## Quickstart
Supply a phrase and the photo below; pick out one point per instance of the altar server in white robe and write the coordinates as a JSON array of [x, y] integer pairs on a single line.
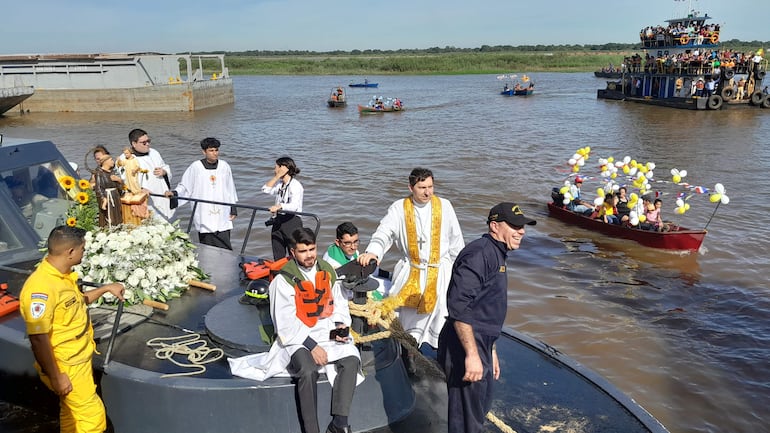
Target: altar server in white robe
[[425, 229], [156, 174], [210, 179], [305, 341]]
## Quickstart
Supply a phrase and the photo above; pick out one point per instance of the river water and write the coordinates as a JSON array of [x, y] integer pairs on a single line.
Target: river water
[[687, 336]]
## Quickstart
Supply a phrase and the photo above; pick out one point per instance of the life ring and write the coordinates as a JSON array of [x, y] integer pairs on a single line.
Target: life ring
[[759, 74], [611, 86], [727, 93], [715, 38], [729, 73], [715, 102], [756, 98], [766, 102], [684, 39]]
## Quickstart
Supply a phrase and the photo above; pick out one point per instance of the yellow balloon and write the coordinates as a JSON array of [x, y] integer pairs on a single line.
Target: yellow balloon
[[715, 198], [680, 210], [610, 160], [564, 189], [687, 206], [626, 169], [613, 175], [575, 168], [633, 163], [588, 149], [642, 218], [677, 178], [600, 192]]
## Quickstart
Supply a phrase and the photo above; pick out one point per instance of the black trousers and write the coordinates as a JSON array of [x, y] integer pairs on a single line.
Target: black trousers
[[283, 227], [216, 239], [469, 402], [305, 373]]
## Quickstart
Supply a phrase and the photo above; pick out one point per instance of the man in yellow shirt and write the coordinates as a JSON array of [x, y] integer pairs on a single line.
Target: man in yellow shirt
[[60, 331]]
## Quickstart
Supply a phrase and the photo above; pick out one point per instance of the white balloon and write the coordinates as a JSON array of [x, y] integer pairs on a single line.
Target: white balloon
[[674, 172], [581, 162], [634, 220], [725, 199], [572, 161], [598, 201], [683, 173], [679, 202], [719, 188], [566, 200], [648, 175], [626, 160], [632, 171], [566, 182]]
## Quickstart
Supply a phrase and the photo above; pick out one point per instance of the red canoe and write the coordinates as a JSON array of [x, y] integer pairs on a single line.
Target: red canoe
[[678, 238]]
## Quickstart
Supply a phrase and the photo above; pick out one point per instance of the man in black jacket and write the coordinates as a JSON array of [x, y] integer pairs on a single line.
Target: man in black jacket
[[477, 303]]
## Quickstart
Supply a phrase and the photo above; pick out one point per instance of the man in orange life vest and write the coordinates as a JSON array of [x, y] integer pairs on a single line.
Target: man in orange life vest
[[312, 320]]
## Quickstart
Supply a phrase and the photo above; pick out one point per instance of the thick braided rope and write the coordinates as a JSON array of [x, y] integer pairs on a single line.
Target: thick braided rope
[[196, 349]]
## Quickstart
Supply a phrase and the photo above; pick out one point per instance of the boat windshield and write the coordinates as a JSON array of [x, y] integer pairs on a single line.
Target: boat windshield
[[32, 192]]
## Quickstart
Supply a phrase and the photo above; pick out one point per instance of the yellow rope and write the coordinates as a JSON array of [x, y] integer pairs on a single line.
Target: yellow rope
[[196, 349]]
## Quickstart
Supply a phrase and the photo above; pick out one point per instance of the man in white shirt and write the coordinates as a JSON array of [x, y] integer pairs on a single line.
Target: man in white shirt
[[210, 179], [155, 175], [426, 231]]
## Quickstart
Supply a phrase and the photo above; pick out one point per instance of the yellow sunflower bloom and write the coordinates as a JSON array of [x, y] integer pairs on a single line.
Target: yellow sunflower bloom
[[84, 184], [67, 182], [71, 221], [82, 197]]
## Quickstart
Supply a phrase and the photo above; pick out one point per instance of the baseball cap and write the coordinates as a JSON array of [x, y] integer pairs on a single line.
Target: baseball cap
[[578, 179], [510, 213]]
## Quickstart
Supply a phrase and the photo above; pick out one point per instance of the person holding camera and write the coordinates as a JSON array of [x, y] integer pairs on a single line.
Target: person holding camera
[[314, 335], [288, 193]]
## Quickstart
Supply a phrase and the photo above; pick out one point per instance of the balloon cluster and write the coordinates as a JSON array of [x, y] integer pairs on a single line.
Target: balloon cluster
[[719, 196], [677, 175], [579, 158]]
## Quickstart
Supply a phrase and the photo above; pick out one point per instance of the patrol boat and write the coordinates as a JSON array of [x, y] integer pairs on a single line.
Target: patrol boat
[[542, 390], [681, 61]]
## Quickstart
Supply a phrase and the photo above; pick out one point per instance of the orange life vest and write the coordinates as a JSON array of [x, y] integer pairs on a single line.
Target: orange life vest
[[313, 301]]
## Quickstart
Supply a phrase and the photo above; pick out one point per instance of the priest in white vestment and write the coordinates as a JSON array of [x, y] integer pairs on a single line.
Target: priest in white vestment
[[425, 229], [210, 179], [155, 175]]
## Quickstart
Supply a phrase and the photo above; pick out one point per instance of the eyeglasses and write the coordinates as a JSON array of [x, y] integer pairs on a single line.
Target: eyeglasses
[[350, 243], [144, 141]]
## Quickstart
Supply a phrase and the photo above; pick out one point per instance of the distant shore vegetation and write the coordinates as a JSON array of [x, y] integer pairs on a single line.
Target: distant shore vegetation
[[448, 60]]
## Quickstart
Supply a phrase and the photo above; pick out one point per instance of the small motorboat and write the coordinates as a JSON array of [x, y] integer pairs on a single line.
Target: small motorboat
[[364, 84], [337, 98]]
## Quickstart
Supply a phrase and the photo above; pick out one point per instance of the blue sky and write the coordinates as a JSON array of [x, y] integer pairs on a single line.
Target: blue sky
[[88, 26]]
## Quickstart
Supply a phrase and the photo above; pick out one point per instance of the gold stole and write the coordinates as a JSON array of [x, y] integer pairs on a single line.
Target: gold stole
[[410, 295]]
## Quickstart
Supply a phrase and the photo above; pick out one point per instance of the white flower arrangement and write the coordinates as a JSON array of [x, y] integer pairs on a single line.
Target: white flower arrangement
[[154, 260]]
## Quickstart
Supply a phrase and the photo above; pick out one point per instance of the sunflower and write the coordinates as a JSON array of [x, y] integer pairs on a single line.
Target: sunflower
[[71, 221], [84, 184], [82, 197], [67, 182]]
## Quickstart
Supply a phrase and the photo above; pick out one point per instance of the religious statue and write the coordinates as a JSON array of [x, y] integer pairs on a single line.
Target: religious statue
[[108, 188], [134, 200]]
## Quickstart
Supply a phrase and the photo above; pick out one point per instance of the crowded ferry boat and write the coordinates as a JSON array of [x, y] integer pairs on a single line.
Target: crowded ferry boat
[[682, 66]]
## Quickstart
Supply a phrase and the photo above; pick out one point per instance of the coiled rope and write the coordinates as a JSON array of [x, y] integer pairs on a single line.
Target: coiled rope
[[196, 349], [383, 314]]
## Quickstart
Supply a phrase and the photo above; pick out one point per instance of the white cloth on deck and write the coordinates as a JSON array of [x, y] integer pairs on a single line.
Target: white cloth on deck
[[392, 229], [152, 183], [209, 184], [292, 333]]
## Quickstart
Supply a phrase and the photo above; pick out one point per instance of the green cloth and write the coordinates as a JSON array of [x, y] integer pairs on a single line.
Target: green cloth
[[336, 253]]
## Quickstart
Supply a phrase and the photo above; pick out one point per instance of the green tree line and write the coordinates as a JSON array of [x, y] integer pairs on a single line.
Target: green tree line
[[448, 60]]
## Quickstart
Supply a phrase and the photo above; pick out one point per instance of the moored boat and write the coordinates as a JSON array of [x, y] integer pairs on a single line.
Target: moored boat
[[13, 96], [608, 74], [118, 81], [683, 68]]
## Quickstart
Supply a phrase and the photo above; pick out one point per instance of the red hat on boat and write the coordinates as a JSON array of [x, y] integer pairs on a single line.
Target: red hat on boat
[[578, 179]]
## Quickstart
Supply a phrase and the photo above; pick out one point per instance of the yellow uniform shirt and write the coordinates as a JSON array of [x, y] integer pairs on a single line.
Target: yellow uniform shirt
[[52, 304]]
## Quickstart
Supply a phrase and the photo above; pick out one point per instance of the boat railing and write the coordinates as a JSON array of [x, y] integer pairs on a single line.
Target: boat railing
[[253, 211]]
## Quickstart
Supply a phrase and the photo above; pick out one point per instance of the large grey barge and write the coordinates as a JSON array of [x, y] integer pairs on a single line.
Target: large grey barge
[[118, 82]]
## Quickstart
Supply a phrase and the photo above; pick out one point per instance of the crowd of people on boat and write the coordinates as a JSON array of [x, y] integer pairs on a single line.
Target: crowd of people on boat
[[448, 292], [678, 33], [695, 62], [615, 208]]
